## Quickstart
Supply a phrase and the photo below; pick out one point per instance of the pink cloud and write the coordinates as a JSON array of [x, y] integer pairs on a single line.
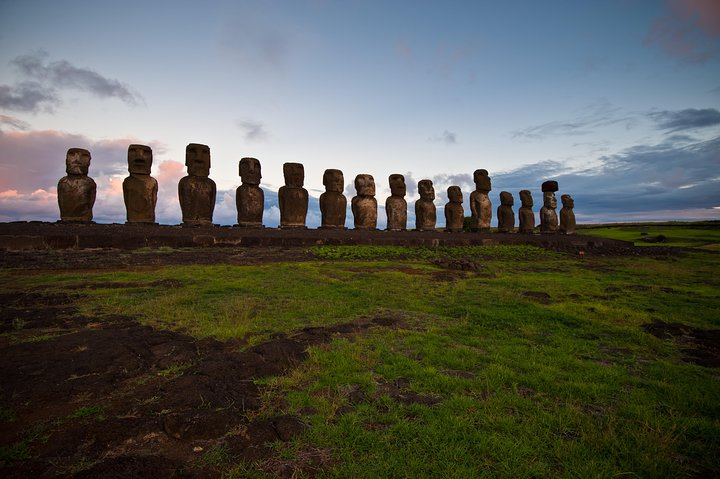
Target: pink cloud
[[688, 31]]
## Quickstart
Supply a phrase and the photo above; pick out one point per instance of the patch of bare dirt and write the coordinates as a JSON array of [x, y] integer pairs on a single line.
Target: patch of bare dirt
[[699, 346], [109, 397]]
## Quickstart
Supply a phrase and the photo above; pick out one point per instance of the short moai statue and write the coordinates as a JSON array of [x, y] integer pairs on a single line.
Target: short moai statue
[[293, 198], [76, 191], [364, 205], [196, 190], [527, 217], [140, 189], [567, 215], [425, 211], [454, 211], [249, 197], [480, 205], [548, 216], [395, 205], [505, 213], [333, 204]]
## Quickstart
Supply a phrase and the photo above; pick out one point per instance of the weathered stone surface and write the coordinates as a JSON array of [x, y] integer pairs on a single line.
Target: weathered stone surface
[[196, 191], [480, 205], [567, 215], [140, 189], [454, 211], [249, 197], [550, 185], [293, 198], [395, 205], [505, 213], [527, 217], [333, 204], [548, 216], [76, 191], [425, 211], [364, 205]]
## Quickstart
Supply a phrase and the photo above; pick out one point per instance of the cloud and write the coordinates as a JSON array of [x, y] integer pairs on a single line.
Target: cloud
[[688, 30], [29, 96], [685, 119], [254, 130], [14, 123], [447, 137]]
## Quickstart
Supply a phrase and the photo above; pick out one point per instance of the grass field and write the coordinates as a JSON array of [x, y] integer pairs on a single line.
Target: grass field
[[534, 365], [705, 235]]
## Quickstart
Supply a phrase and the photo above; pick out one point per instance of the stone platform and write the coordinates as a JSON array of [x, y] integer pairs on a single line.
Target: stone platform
[[17, 236]]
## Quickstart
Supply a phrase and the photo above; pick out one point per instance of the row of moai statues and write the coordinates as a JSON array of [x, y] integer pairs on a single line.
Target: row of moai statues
[[197, 194]]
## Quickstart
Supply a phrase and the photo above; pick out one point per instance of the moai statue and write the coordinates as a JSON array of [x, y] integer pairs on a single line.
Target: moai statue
[[364, 205], [454, 212], [76, 191], [395, 205], [567, 215], [333, 204], [425, 214], [140, 189], [249, 197], [505, 213], [527, 217], [548, 216], [293, 198], [197, 191], [480, 204]]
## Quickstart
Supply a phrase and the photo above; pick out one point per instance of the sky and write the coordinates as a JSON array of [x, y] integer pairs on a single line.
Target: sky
[[617, 100]]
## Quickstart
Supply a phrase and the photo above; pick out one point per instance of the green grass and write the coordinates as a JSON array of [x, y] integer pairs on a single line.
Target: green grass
[[692, 235], [567, 387]]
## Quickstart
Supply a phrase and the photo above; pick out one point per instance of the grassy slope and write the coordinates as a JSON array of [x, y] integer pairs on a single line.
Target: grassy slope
[[695, 235], [573, 388]]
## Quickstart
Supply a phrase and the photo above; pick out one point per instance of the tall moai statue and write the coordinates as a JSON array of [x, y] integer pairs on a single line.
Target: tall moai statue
[[425, 211], [196, 190], [527, 217], [333, 204], [364, 205], [505, 213], [395, 205], [548, 216], [293, 198], [249, 197], [76, 191], [140, 189], [567, 215], [454, 211], [480, 205]]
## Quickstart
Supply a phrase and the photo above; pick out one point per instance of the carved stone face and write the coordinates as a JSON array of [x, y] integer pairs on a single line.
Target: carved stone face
[[506, 198], [567, 201], [526, 198], [365, 185], [294, 174], [333, 180], [250, 171], [549, 200], [482, 180], [397, 185], [77, 161], [139, 159], [455, 194], [197, 159], [426, 190]]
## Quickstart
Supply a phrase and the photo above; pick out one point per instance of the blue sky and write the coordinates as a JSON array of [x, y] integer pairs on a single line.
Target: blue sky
[[617, 100]]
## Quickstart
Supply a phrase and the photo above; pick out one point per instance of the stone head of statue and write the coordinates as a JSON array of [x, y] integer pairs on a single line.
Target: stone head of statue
[[197, 159], [526, 198], [397, 185], [506, 198], [482, 180], [567, 201], [77, 161], [334, 180], [294, 174], [426, 190], [250, 171], [365, 185], [454, 194], [549, 200], [139, 159]]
